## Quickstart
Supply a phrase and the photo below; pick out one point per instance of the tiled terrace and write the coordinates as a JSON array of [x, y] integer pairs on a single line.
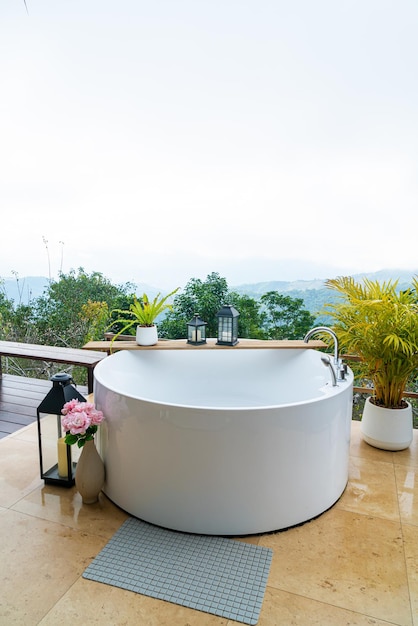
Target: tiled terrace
[[356, 564]]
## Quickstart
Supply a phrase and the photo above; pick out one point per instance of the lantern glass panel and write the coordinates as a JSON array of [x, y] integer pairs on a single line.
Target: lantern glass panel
[[235, 329], [192, 332], [196, 331], [53, 450], [202, 331], [225, 329], [50, 434]]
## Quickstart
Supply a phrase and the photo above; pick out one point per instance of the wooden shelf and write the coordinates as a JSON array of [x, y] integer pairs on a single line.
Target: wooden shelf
[[181, 344]]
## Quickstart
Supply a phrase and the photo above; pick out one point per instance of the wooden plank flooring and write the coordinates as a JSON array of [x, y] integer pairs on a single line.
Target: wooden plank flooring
[[19, 399]]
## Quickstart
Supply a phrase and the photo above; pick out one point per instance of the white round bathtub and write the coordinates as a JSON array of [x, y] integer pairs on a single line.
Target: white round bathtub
[[223, 441]]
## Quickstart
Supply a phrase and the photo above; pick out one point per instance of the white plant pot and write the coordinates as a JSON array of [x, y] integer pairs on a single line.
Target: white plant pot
[[387, 429], [146, 335]]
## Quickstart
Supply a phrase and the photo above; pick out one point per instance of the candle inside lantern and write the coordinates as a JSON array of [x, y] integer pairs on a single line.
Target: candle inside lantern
[[62, 458]]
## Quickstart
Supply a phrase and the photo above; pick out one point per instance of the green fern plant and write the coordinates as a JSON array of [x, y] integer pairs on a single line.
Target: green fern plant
[[142, 312], [378, 323]]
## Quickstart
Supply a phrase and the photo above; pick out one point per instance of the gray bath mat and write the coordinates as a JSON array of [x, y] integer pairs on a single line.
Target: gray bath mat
[[212, 574]]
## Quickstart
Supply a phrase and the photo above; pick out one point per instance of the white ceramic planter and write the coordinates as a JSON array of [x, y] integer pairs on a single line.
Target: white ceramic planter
[[387, 429], [146, 335]]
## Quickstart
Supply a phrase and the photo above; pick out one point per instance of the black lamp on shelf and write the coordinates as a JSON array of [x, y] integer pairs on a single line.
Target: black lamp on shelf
[[227, 326], [196, 331]]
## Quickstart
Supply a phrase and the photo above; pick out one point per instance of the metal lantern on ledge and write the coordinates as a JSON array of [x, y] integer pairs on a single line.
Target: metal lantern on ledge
[[227, 326], [57, 467], [196, 331]]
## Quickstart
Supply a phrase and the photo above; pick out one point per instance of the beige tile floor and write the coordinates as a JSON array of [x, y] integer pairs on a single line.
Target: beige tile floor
[[356, 564]]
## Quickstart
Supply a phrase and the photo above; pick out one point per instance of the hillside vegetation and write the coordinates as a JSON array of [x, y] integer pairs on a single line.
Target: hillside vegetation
[[314, 293]]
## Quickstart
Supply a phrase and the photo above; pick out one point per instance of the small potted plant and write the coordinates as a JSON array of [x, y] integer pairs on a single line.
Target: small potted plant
[[142, 313], [379, 323]]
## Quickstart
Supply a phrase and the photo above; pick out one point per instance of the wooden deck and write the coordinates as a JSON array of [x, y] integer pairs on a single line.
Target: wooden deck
[[19, 399]]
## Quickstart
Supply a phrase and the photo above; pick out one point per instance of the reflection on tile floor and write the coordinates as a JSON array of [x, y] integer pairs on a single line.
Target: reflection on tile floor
[[356, 564]]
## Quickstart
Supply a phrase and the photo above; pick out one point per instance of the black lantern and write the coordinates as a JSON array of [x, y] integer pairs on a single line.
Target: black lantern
[[196, 331], [57, 467], [227, 326]]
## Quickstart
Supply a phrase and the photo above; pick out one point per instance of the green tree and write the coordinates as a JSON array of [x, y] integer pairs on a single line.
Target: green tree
[[250, 318], [206, 298], [23, 325], [62, 315], [284, 317], [6, 316], [71, 311], [202, 297]]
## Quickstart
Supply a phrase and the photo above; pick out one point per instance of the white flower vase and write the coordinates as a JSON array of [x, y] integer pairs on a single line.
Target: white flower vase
[[89, 473], [146, 335]]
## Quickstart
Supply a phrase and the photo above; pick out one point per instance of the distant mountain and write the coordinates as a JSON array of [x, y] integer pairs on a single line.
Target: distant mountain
[[314, 293], [282, 286], [23, 290], [254, 289]]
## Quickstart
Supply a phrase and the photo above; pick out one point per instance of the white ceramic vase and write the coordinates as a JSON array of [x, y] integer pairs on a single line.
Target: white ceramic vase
[[387, 429], [89, 473], [146, 335]]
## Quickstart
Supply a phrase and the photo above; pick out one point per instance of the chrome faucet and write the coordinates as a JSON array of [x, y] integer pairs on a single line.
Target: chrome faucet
[[327, 361], [338, 369]]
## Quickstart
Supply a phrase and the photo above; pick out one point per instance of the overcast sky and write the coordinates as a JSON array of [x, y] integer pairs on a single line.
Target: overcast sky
[[155, 141]]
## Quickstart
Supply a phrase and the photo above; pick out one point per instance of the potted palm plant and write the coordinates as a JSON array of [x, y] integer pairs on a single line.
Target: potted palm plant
[[379, 323], [143, 313]]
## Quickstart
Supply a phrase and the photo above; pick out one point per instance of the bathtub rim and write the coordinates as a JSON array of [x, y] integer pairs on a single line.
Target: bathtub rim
[[324, 391]]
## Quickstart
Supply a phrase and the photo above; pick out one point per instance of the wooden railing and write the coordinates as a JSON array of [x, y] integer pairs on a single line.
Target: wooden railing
[[53, 354]]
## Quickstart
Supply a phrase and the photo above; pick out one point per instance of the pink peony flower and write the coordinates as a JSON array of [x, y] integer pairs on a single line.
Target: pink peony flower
[[70, 406], [96, 417], [80, 421], [77, 422]]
